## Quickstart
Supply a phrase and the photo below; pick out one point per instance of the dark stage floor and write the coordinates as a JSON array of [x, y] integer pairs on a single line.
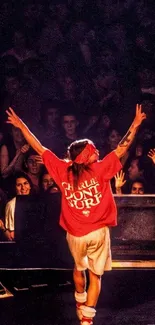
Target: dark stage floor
[[127, 298]]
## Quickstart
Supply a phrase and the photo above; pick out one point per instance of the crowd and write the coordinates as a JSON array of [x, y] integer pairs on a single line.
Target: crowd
[[74, 69]]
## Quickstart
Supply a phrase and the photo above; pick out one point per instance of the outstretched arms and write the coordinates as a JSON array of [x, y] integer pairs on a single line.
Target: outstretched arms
[[125, 143], [30, 138]]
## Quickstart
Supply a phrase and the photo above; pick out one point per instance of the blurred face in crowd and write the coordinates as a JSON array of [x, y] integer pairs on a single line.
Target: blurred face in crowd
[[104, 84], [78, 5], [69, 88], [33, 11], [6, 9], [105, 122], [141, 42], [19, 39], [92, 120], [11, 85], [52, 117], [113, 139], [10, 63], [141, 9], [61, 11], [107, 57], [17, 135], [117, 34], [137, 188], [139, 150], [133, 170], [148, 108], [61, 65], [70, 124], [32, 68], [79, 31], [33, 166], [23, 187], [47, 181]]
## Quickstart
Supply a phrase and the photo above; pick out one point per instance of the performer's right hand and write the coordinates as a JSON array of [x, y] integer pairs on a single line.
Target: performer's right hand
[[13, 118]]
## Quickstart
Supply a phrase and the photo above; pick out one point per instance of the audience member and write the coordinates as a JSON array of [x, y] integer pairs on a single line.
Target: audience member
[[47, 183], [20, 49], [33, 168], [70, 126], [12, 154], [51, 111], [23, 186], [137, 186], [82, 43]]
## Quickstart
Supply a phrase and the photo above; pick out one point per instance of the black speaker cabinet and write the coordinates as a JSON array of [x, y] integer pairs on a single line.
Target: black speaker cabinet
[[135, 232]]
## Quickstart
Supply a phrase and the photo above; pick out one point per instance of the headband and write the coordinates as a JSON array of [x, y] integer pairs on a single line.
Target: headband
[[84, 156]]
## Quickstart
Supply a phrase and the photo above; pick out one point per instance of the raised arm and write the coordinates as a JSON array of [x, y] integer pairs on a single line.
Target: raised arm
[[125, 143], [28, 135]]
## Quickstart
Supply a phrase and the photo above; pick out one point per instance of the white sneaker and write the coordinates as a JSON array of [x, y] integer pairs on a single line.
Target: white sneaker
[[78, 310]]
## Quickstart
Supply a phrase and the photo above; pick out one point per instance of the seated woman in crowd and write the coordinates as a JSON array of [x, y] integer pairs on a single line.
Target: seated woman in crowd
[[23, 186]]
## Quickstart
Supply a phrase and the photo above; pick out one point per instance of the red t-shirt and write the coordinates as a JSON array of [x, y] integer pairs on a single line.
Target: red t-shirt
[[92, 205]]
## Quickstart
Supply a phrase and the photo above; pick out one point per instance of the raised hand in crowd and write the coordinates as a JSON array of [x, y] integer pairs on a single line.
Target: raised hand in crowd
[[151, 154], [39, 159], [119, 181], [25, 148], [7, 165]]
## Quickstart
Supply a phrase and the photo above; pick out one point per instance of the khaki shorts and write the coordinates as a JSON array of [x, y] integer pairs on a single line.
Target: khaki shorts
[[91, 251]]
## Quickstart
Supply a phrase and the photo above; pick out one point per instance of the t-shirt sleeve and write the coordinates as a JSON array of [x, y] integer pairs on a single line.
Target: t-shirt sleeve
[[109, 166], [9, 215], [53, 164]]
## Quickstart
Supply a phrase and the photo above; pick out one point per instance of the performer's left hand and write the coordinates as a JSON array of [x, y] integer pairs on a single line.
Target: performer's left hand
[[139, 116]]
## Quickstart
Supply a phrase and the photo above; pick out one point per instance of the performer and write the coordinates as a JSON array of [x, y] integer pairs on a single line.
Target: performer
[[88, 208]]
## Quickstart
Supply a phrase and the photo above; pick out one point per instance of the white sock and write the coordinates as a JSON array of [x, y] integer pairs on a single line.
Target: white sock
[[88, 311], [80, 297]]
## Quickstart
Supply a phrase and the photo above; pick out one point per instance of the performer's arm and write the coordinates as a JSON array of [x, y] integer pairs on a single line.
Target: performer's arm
[[28, 135], [125, 143]]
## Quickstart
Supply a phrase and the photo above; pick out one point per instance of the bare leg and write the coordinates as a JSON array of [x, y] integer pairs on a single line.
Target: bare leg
[[79, 278], [94, 289]]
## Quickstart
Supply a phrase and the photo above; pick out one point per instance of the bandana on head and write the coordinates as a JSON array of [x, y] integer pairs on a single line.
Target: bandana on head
[[84, 156]]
